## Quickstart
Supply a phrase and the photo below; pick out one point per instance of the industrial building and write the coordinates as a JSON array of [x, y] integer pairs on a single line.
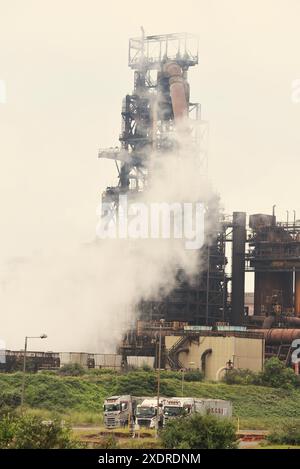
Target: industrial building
[[214, 304], [215, 353]]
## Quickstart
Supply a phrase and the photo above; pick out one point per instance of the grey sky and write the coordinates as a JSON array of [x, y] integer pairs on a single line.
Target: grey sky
[[65, 67]]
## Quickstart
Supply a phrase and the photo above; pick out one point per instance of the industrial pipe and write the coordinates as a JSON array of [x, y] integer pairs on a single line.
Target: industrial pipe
[[223, 368], [268, 321], [178, 91], [279, 336]]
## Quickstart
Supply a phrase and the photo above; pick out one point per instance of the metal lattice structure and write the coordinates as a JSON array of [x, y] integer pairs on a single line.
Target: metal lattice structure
[[148, 125], [147, 113], [274, 257]]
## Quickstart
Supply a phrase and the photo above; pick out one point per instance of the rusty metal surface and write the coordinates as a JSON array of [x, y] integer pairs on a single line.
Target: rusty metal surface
[[297, 293], [279, 336], [177, 90], [266, 283]]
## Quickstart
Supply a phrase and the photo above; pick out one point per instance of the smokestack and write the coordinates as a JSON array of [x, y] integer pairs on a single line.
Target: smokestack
[[238, 267], [178, 90]]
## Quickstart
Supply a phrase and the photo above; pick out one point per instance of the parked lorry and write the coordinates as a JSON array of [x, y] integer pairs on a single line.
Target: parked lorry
[[147, 415], [177, 407], [119, 411], [180, 406]]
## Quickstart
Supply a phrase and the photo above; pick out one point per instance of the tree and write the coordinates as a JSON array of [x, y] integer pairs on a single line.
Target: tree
[[31, 432], [199, 432], [277, 375]]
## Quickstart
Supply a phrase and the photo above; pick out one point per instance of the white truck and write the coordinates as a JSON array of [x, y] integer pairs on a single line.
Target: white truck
[[181, 406], [146, 413], [119, 411], [177, 407]]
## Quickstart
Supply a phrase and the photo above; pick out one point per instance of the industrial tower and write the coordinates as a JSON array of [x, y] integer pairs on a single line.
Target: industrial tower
[[157, 108]]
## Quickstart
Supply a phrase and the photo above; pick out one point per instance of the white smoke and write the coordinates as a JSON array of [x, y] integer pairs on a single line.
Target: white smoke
[[84, 298]]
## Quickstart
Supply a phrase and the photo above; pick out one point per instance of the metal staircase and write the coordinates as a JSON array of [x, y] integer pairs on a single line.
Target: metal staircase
[[173, 352]]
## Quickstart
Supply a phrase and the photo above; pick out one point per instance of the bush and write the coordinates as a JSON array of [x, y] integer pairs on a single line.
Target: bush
[[7, 429], [10, 399], [31, 432], [72, 369], [287, 434], [199, 432], [108, 442], [102, 371], [241, 377], [277, 375], [194, 375]]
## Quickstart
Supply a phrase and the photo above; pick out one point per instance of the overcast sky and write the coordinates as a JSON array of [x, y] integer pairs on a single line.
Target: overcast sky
[[64, 63], [65, 67]]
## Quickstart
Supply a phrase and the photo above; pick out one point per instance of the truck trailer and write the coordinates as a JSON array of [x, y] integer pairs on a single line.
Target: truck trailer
[[182, 406]]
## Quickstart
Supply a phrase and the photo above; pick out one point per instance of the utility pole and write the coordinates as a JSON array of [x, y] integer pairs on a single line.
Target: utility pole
[[42, 336], [158, 379]]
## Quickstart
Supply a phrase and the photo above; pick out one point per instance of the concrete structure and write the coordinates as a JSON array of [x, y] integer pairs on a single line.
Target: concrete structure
[[214, 354], [140, 362]]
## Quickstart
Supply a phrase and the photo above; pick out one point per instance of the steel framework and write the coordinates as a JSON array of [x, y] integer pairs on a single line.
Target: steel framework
[[148, 125]]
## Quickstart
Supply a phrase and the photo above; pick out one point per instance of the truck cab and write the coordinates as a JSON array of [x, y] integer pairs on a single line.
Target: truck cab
[[177, 407], [147, 415], [118, 411]]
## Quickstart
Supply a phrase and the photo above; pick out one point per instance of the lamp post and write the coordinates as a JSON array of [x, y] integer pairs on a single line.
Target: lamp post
[[42, 336], [158, 378]]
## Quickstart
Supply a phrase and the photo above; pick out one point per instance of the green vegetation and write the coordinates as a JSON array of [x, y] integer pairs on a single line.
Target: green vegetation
[[193, 375], [31, 432], [72, 369], [79, 399], [275, 374], [288, 433], [199, 432]]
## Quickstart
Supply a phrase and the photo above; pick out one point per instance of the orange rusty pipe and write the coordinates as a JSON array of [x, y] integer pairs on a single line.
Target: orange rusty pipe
[[279, 336], [268, 321], [178, 90]]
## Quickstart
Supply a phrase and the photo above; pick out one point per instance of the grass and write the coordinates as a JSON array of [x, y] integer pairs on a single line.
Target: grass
[[79, 400], [124, 440]]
